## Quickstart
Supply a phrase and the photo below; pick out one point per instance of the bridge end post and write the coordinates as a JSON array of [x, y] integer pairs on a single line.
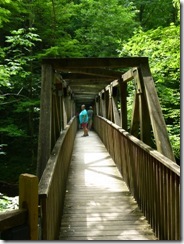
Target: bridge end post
[[28, 198]]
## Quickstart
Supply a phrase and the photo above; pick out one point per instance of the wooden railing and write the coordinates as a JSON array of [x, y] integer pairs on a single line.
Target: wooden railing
[[47, 197], [153, 179], [52, 184], [22, 223]]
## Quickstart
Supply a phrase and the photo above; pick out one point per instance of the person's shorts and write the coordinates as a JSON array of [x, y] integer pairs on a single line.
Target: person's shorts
[[84, 125]]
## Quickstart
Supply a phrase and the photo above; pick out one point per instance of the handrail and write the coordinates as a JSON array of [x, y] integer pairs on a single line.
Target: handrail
[[27, 214], [10, 219], [153, 179], [53, 182]]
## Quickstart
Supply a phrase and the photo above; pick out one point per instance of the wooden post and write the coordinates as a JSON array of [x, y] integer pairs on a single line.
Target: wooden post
[[123, 96], [28, 199], [116, 114], [97, 105], [144, 118], [110, 113], [44, 140], [135, 121], [106, 102], [101, 105]]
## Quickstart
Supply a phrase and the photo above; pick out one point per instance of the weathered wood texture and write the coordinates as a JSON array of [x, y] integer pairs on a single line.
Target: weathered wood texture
[[28, 199], [88, 78], [27, 214], [44, 140], [10, 219], [74, 63], [153, 179], [98, 204], [155, 112], [53, 182]]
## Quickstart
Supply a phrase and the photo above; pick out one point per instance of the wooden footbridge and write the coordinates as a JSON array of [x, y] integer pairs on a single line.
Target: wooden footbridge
[[119, 183]]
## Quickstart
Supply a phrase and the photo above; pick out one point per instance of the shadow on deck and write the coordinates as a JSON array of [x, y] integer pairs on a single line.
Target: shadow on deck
[[98, 204]]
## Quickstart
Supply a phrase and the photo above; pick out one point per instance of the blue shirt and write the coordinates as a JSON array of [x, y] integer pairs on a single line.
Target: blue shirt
[[83, 116]]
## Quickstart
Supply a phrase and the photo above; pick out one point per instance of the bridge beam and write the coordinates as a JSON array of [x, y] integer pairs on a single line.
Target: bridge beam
[[44, 140], [156, 116]]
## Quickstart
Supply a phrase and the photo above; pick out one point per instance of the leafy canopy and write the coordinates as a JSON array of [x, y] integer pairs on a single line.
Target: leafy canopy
[[162, 46]]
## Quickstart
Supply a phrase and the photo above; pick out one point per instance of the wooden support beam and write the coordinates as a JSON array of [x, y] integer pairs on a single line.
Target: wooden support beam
[[157, 120], [28, 199], [128, 75], [100, 72], [65, 112], [59, 63], [97, 105], [116, 113], [144, 118], [85, 77], [110, 108], [135, 121], [44, 140], [106, 98], [123, 99]]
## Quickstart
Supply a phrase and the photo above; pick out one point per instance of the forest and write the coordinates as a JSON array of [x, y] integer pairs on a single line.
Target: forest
[[33, 29]]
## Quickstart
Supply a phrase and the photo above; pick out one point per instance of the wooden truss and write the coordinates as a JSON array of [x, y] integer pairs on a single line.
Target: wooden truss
[[67, 83]]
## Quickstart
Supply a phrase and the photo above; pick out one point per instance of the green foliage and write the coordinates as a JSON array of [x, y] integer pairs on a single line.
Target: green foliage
[[100, 26], [12, 130], [19, 51], [17, 56], [153, 14], [85, 28], [8, 10], [7, 203], [4, 13], [79, 28], [19, 104], [162, 46], [65, 48], [24, 105]]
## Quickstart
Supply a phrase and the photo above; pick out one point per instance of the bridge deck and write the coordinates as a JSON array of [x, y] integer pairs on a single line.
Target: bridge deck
[[98, 204]]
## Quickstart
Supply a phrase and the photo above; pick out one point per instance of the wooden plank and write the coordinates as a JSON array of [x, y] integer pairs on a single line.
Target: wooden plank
[[128, 76], [101, 232], [135, 121], [117, 223], [59, 63], [95, 71], [145, 124], [13, 218], [110, 238], [115, 112], [84, 77], [98, 204], [123, 99]]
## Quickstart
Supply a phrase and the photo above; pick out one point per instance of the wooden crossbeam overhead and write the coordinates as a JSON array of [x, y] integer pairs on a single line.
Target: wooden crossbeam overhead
[[74, 76], [59, 63], [94, 72], [85, 85], [91, 82]]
